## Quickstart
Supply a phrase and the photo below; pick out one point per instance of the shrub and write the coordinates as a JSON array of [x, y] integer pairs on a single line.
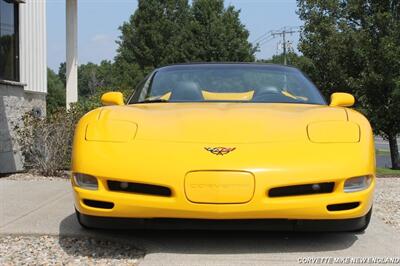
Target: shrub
[[46, 142]]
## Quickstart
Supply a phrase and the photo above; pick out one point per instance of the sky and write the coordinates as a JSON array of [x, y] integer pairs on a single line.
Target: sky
[[98, 22]]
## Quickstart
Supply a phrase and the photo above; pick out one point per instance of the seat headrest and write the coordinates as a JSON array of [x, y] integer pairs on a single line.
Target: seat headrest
[[186, 91]]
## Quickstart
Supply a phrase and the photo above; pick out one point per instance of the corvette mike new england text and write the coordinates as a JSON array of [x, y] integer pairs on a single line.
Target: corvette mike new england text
[[349, 260]]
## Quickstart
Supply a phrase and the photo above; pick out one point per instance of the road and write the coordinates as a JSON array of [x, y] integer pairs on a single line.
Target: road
[[46, 208], [383, 160], [381, 144]]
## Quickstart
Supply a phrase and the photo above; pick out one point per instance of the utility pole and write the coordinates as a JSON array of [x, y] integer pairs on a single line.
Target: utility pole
[[284, 47], [283, 34], [272, 34]]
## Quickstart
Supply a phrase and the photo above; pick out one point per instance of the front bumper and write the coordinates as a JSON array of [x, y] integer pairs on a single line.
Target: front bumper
[[129, 205], [272, 165]]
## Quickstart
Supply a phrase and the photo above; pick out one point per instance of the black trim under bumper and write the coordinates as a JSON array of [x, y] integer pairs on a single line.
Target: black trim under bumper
[[341, 225]]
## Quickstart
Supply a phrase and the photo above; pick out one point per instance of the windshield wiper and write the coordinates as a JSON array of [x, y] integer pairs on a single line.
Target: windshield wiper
[[154, 101]]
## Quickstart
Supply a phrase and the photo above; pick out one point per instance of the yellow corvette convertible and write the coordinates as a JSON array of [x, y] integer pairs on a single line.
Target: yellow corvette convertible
[[251, 146]]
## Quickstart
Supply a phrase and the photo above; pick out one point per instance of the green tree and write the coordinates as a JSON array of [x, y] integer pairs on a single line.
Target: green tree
[[355, 46], [128, 75], [156, 34], [105, 74], [62, 70], [218, 33], [293, 59], [93, 77], [55, 92], [162, 32], [87, 79]]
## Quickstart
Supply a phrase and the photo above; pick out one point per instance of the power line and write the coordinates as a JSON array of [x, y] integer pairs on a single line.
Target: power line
[[282, 32], [266, 40], [265, 35], [260, 38]]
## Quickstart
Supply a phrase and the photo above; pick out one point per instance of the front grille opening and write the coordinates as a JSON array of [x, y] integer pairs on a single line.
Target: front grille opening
[[139, 188], [98, 204], [297, 190], [343, 206]]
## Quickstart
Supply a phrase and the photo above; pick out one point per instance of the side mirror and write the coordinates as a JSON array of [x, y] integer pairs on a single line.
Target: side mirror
[[342, 99], [112, 98]]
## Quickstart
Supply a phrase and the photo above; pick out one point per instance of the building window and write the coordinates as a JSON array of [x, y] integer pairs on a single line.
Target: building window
[[9, 63]]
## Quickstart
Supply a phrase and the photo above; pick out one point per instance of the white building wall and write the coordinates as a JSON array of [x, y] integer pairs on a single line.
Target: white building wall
[[33, 42]]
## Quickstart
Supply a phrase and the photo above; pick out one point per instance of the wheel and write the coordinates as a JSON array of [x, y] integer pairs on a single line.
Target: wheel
[[78, 217], [367, 220]]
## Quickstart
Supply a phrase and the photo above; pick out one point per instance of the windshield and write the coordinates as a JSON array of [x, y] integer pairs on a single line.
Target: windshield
[[227, 83]]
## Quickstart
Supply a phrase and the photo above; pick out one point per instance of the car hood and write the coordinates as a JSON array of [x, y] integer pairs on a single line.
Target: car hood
[[222, 122]]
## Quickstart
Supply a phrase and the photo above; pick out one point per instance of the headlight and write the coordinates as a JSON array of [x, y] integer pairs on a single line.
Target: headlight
[[85, 181], [357, 183]]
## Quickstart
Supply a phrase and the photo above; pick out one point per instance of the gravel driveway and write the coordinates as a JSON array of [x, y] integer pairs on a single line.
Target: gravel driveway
[[387, 201], [70, 250], [52, 250]]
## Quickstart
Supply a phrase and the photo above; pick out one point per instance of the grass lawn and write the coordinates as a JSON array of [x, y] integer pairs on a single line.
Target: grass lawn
[[387, 171], [382, 152]]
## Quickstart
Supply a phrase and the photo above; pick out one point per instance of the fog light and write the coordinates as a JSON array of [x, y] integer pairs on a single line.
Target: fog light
[[316, 187], [86, 181], [124, 185], [357, 183]]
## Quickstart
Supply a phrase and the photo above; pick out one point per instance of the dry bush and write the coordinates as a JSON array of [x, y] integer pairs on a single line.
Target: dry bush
[[45, 142]]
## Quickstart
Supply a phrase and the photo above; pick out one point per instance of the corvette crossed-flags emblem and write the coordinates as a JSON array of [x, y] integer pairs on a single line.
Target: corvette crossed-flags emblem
[[219, 150]]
